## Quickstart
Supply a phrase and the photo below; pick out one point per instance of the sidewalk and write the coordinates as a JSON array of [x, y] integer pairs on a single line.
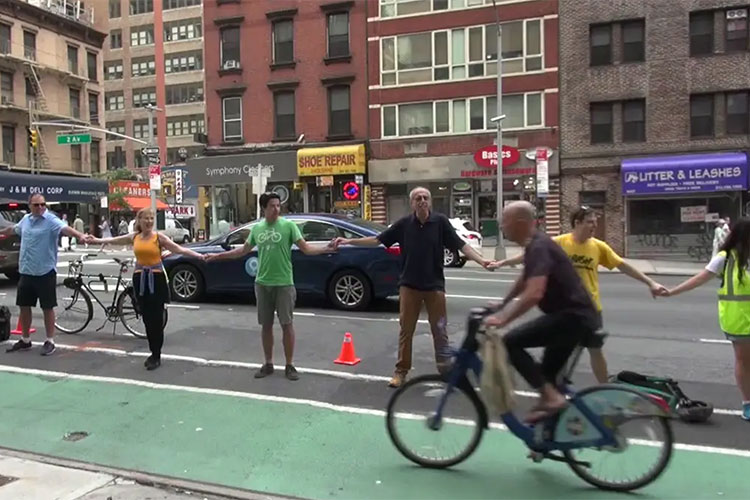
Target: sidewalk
[[655, 267]]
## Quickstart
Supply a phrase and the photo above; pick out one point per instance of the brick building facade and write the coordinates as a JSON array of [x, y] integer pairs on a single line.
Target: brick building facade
[[654, 80], [287, 80]]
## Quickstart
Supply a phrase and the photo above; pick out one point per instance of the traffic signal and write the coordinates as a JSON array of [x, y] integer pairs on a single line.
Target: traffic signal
[[33, 138]]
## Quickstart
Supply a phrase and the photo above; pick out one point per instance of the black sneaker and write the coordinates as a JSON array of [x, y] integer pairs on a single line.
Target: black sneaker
[[152, 363], [48, 348], [264, 371], [291, 372], [19, 346]]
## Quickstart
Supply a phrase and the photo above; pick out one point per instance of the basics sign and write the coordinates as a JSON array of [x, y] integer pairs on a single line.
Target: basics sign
[[487, 157]]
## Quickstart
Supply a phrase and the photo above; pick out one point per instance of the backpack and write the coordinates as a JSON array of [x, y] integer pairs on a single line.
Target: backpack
[[669, 390], [5, 318]]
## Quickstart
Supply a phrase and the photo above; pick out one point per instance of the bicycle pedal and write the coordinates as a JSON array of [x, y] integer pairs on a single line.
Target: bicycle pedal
[[535, 456]]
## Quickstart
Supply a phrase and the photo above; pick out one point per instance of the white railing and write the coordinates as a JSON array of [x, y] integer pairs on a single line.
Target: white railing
[[71, 9]]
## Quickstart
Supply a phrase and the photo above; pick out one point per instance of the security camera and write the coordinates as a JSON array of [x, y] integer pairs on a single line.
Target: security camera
[[496, 119]]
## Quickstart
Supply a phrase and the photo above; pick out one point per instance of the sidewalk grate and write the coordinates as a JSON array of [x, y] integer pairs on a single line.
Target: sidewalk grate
[[5, 480]]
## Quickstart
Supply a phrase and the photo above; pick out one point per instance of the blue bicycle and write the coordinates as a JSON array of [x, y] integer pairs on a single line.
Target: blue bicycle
[[612, 437]]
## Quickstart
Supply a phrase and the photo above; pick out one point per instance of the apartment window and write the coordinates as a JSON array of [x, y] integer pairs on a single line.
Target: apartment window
[[186, 29], [117, 127], [142, 35], [284, 118], [144, 97], [6, 88], [338, 34], [601, 44], [143, 66], [461, 53], [113, 70], [114, 101], [9, 145], [29, 45], [184, 61], [701, 33], [232, 118], [93, 108], [702, 115], [462, 115], [185, 125], [633, 37], [283, 41], [601, 123], [94, 152], [736, 30], [339, 111], [75, 158], [141, 6], [114, 9], [178, 4], [634, 121], [4, 39], [115, 39], [91, 63], [73, 59], [391, 8], [75, 102], [140, 129], [230, 47], [738, 113], [184, 94]]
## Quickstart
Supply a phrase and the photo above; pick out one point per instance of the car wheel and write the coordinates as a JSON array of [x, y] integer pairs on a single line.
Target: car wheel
[[186, 283], [13, 275], [450, 258], [350, 290], [186, 239], [461, 262]]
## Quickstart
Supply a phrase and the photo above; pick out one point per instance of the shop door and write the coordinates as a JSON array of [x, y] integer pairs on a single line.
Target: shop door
[[487, 217]]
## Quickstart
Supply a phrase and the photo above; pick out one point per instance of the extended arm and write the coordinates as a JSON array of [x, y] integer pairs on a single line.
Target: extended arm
[[173, 247], [530, 296], [699, 279], [370, 241], [309, 249], [656, 288], [472, 254], [8, 231], [232, 254], [126, 239]]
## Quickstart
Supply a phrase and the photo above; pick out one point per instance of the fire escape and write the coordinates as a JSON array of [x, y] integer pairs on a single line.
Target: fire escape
[[37, 107]]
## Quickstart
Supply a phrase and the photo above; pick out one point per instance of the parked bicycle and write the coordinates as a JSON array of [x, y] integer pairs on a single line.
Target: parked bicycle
[[76, 309], [437, 421]]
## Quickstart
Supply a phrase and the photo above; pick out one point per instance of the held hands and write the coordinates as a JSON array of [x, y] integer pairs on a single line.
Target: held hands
[[336, 242], [658, 290], [89, 239]]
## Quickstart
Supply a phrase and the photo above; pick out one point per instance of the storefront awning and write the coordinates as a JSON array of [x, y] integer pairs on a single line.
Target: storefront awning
[[698, 173], [139, 203], [16, 187]]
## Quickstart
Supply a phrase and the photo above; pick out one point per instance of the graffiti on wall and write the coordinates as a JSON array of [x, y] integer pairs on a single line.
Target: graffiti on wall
[[696, 247]]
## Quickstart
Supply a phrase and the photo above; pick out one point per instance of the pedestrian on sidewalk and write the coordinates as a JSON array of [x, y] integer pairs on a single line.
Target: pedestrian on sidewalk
[[720, 235], [731, 264], [587, 254], [422, 237], [78, 226], [105, 230], [149, 279], [39, 232], [274, 282]]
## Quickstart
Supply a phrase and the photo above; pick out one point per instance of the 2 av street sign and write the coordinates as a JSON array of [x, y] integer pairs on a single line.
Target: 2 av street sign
[[72, 139]]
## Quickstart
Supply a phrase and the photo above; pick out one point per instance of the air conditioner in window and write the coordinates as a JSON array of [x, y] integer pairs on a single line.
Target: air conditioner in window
[[231, 64], [737, 14]]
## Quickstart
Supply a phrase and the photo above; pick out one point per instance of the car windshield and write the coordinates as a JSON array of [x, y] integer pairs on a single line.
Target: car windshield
[[368, 224], [468, 225], [11, 217]]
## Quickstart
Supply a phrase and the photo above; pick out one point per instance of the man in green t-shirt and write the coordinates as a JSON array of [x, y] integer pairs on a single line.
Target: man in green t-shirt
[[274, 282]]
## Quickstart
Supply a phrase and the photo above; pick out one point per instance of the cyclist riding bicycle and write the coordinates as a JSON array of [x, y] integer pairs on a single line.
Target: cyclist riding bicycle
[[550, 282]]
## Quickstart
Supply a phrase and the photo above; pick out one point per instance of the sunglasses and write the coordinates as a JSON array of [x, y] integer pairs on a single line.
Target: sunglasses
[[38, 204]]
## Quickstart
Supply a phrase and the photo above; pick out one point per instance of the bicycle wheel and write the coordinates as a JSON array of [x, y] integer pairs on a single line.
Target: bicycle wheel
[[413, 428], [644, 442], [130, 313], [74, 309]]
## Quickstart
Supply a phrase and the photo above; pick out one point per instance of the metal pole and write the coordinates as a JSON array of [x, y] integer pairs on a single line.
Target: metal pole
[[500, 248], [151, 110]]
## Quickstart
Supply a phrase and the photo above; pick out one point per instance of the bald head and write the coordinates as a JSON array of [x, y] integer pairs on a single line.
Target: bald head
[[519, 219]]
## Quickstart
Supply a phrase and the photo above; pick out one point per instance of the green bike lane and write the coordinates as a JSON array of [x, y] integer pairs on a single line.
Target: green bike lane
[[293, 447]]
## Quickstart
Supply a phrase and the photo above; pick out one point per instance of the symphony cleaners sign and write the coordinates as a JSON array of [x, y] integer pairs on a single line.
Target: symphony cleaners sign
[[685, 174]]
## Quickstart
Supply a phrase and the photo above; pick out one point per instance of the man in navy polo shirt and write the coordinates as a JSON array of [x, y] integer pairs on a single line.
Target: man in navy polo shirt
[[422, 237], [39, 232]]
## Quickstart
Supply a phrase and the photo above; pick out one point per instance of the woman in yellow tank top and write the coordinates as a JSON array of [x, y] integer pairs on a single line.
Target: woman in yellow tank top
[[149, 279]]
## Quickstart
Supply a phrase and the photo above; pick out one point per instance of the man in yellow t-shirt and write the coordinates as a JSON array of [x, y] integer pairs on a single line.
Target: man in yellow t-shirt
[[587, 254]]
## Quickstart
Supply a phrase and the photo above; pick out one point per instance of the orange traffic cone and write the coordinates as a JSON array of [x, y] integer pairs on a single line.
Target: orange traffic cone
[[18, 330], [347, 355]]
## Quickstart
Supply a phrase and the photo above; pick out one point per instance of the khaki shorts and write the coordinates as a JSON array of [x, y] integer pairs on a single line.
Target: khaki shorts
[[278, 299]]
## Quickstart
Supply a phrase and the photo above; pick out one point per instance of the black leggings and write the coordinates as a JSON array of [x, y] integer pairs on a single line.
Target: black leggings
[[151, 306], [558, 333]]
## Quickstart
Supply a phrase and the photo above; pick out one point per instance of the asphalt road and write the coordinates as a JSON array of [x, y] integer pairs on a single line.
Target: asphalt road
[[217, 345]]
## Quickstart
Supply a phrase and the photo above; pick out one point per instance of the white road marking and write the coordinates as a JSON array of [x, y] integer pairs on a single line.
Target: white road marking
[[450, 271], [351, 318], [182, 306], [254, 366], [456, 278], [309, 402], [95, 262], [715, 341], [473, 297]]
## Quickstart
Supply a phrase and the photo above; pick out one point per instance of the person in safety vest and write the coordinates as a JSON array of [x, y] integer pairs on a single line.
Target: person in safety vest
[[731, 264]]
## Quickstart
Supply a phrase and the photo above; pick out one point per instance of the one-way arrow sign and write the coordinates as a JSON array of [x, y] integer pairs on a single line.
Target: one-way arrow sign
[[150, 151]]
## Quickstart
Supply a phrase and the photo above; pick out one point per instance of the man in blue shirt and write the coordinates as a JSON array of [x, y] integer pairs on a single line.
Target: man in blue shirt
[[39, 232]]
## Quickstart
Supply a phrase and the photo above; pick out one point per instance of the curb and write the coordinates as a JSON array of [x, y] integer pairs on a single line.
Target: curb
[[684, 273], [147, 479]]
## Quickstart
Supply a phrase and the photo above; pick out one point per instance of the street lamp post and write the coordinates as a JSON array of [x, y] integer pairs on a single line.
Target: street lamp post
[[500, 248]]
